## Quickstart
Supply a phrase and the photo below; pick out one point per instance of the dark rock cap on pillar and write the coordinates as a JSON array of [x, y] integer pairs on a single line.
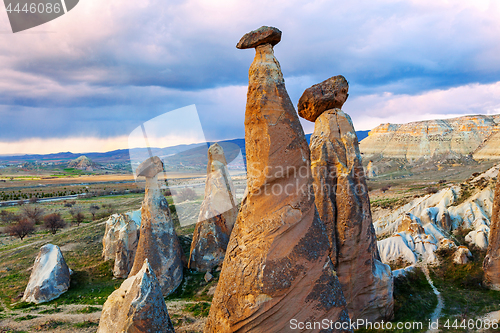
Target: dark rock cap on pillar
[[327, 95], [261, 36]]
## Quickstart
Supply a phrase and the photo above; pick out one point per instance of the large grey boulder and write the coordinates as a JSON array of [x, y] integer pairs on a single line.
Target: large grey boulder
[[50, 276]]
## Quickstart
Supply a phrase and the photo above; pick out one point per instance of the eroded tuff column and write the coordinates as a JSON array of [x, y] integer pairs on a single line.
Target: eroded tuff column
[[217, 215], [343, 204], [158, 241], [276, 267], [491, 263]]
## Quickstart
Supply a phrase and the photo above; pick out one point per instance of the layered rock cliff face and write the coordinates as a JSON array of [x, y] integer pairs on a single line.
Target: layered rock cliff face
[[450, 137], [158, 242], [217, 215], [416, 230], [489, 149], [491, 263], [343, 204], [277, 266]]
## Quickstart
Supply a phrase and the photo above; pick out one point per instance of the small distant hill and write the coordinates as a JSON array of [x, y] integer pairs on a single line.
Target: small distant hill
[[83, 163]]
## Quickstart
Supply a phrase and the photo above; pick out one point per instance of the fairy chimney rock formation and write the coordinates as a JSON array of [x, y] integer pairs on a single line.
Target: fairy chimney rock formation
[[217, 215], [137, 306], [158, 241], [491, 263], [276, 267], [343, 204], [50, 276]]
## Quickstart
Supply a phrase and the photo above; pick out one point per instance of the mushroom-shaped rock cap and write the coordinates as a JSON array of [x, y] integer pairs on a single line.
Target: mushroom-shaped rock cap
[[263, 35], [150, 167], [327, 95]]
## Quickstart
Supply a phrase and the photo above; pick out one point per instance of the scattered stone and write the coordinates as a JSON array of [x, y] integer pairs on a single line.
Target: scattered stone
[[50, 277], [211, 290], [344, 206], [217, 215], [276, 267], [491, 263], [137, 306], [120, 241], [158, 241], [462, 255], [261, 36], [208, 277], [327, 95]]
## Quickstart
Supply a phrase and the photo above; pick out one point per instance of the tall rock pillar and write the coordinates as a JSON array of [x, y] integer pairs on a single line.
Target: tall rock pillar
[[217, 215], [277, 271], [343, 204], [158, 242]]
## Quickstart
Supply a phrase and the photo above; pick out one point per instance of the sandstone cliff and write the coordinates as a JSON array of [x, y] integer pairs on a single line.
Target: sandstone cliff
[[450, 137], [491, 264]]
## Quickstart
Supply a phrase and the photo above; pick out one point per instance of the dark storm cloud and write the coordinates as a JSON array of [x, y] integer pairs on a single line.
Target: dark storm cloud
[[111, 65]]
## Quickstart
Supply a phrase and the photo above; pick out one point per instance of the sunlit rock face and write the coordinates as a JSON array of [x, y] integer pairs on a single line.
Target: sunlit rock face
[[277, 266], [217, 215], [50, 276], [343, 203], [449, 137], [158, 242], [137, 306], [491, 263], [120, 241]]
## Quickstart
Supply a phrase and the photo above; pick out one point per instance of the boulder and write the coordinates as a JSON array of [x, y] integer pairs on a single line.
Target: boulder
[[137, 306], [120, 241], [50, 276], [217, 215], [327, 95], [158, 242], [462, 255], [344, 206], [276, 267], [491, 263], [261, 36]]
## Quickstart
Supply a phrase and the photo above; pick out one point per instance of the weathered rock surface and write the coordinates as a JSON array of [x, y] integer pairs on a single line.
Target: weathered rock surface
[[449, 137], [491, 263], [489, 149], [261, 36], [217, 215], [276, 266], [327, 95], [462, 255], [137, 306], [50, 276], [344, 206], [433, 217], [120, 241], [158, 241]]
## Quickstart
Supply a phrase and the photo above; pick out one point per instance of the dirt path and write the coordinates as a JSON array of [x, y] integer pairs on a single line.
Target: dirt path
[[437, 312]]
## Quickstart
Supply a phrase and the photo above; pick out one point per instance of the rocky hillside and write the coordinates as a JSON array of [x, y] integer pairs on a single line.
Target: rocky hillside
[[450, 138], [414, 231], [82, 163]]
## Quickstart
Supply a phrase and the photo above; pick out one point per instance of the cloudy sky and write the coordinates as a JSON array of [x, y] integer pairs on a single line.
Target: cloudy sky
[[86, 80]]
